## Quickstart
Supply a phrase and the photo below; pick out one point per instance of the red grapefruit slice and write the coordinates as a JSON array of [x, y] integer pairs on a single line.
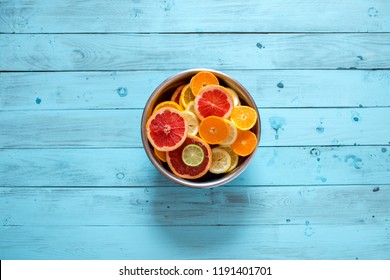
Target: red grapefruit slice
[[166, 129], [179, 168], [213, 100]]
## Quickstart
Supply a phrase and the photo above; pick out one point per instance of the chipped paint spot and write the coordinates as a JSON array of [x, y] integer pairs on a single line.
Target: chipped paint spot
[[360, 57], [320, 129], [315, 152], [260, 46], [120, 175], [38, 100], [384, 150], [354, 161], [355, 116], [322, 179], [121, 91], [376, 189], [277, 123], [280, 85], [372, 12]]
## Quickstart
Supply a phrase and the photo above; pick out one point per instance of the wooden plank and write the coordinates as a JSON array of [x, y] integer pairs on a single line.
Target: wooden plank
[[52, 52], [178, 206], [121, 128], [112, 90], [305, 241], [201, 16], [131, 167]]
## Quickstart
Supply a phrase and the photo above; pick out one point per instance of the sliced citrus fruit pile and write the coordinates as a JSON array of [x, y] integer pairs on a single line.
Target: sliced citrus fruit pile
[[203, 128]]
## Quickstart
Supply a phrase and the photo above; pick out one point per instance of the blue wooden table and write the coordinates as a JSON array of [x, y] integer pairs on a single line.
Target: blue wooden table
[[75, 182]]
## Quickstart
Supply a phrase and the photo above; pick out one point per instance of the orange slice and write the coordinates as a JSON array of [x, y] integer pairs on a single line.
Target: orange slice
[[167, 104], [213, 130], [161, 155], [243, 117], [245, 143], [166, 129], [201, 80], [186, 96]]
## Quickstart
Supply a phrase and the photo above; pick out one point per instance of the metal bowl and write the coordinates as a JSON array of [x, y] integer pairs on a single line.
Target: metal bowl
[[163, 92]]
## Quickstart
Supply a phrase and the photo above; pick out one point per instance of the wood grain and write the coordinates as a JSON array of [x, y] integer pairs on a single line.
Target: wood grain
[[36, 16], [122, 128], [69, 52], [181, 206], [120, 90], [131, 167], [196, 242]]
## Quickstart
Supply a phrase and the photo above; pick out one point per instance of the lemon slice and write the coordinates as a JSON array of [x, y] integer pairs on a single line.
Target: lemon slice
[[221, 161], [191, 107], [232, 134], [192, 155], [234, 157], [192, 122], [236, 99], [186, 96]]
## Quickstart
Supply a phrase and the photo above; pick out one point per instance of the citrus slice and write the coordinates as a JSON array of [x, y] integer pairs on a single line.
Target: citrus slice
[[221, 161], [186, 96], [234, 157], [191, 107], [245, 143], [180, 169], [244, 117], [202, 79], [213, 100], [161, 155], [236, 99], [192, 122], [232, 134], [192, 155], [165, 104], [166, 129], [176, 95], [213, 130]]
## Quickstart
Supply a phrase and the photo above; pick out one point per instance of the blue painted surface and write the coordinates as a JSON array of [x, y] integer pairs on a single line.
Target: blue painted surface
[[75, 182]]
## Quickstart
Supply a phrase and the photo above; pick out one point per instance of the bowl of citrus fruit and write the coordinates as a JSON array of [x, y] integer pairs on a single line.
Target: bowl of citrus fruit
[[200, 128]]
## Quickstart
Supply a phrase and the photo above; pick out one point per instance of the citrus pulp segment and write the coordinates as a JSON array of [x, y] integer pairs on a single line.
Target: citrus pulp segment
[[202, 79], [180, 169], [192, 155], [166, 129], [245, 143], [214, 130], [221, 161], [243, 117], [213, 100]]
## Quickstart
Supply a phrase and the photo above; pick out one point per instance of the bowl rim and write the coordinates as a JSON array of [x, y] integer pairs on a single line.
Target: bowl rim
[[168, 174]]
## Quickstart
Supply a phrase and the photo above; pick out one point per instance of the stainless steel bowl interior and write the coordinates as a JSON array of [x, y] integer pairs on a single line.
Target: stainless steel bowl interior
[[164, 92]]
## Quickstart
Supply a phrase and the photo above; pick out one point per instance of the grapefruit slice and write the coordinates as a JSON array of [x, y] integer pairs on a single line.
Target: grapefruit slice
[[166, 129], [176, 95], [180, 169], [213, 100]]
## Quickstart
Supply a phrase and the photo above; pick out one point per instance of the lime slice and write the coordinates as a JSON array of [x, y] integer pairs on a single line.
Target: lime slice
[[192, 155], [221, 161]]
